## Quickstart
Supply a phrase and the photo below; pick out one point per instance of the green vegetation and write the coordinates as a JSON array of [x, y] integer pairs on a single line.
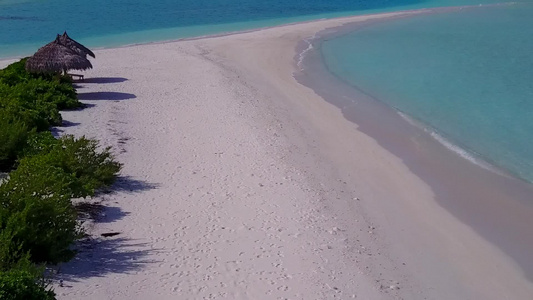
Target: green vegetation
[[23, 285], [35, 99], [86, 168], [13, 137], [38, 214], [38, 222]]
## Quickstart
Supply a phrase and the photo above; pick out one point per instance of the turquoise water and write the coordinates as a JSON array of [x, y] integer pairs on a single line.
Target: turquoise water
[[25, 25], [468, 75]]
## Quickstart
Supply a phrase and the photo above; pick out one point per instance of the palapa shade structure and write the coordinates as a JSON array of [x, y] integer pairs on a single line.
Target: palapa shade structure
[[55, 58], [75, 46]]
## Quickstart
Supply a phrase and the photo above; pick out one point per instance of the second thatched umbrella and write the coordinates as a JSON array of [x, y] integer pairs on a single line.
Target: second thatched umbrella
[[75, 46], [56, 58]]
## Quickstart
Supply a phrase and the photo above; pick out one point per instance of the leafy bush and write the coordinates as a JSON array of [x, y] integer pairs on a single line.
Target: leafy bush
[[61, 95], [23, 285], [38, 222], [13, 136], [35, 206], [26, 106], [19, 278], [15, 73], [92, 169], [11, 254], [36, 168], [40, 143], [88, 169], [35, 98], [36, 211]]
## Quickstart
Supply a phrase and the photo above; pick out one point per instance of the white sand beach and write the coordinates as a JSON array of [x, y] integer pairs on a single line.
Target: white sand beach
[[241, 183]]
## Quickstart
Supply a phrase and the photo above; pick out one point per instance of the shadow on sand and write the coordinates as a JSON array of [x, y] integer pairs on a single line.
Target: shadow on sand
[[66, 123], [99, 212], [105, 96], [98, 255], [132, 185], [105, 80], [56, 130]]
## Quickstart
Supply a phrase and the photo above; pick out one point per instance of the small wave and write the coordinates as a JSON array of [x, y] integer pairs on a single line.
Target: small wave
[[302, 54], [451, 146], [409, 120], [462, 152]]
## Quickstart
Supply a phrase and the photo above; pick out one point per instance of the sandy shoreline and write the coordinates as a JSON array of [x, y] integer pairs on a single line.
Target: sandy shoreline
[[241, 183], [494, 203]]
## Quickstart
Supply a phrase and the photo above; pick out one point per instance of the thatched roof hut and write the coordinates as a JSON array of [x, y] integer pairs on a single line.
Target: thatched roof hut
[[55, 57], [75, 46]]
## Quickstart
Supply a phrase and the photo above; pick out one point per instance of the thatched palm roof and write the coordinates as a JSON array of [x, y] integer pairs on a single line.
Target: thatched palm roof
[[75, 46], [55, 57]]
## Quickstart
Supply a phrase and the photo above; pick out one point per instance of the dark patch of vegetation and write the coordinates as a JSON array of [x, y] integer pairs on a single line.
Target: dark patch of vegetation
[[29, 102], [88, 169], [35, 99], [13, 137], [19, 278], [23, 285], [37, 210], [38, 222]]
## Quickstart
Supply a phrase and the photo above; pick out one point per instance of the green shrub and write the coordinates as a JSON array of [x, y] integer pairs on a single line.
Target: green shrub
[[58, 181], [38, 175], [36, 211], [15, 73], [80, 157], [38, 223], [35, 206], [88, 169], [40, 143], [11, 253], [61, 95], [24, 105], [23, 285], [35, 99], [13, 137], [19, 278]]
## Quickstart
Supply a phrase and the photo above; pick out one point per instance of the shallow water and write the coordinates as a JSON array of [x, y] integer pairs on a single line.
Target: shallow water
[[466, 75], [25, 25], [497, 206], [498, 123]]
